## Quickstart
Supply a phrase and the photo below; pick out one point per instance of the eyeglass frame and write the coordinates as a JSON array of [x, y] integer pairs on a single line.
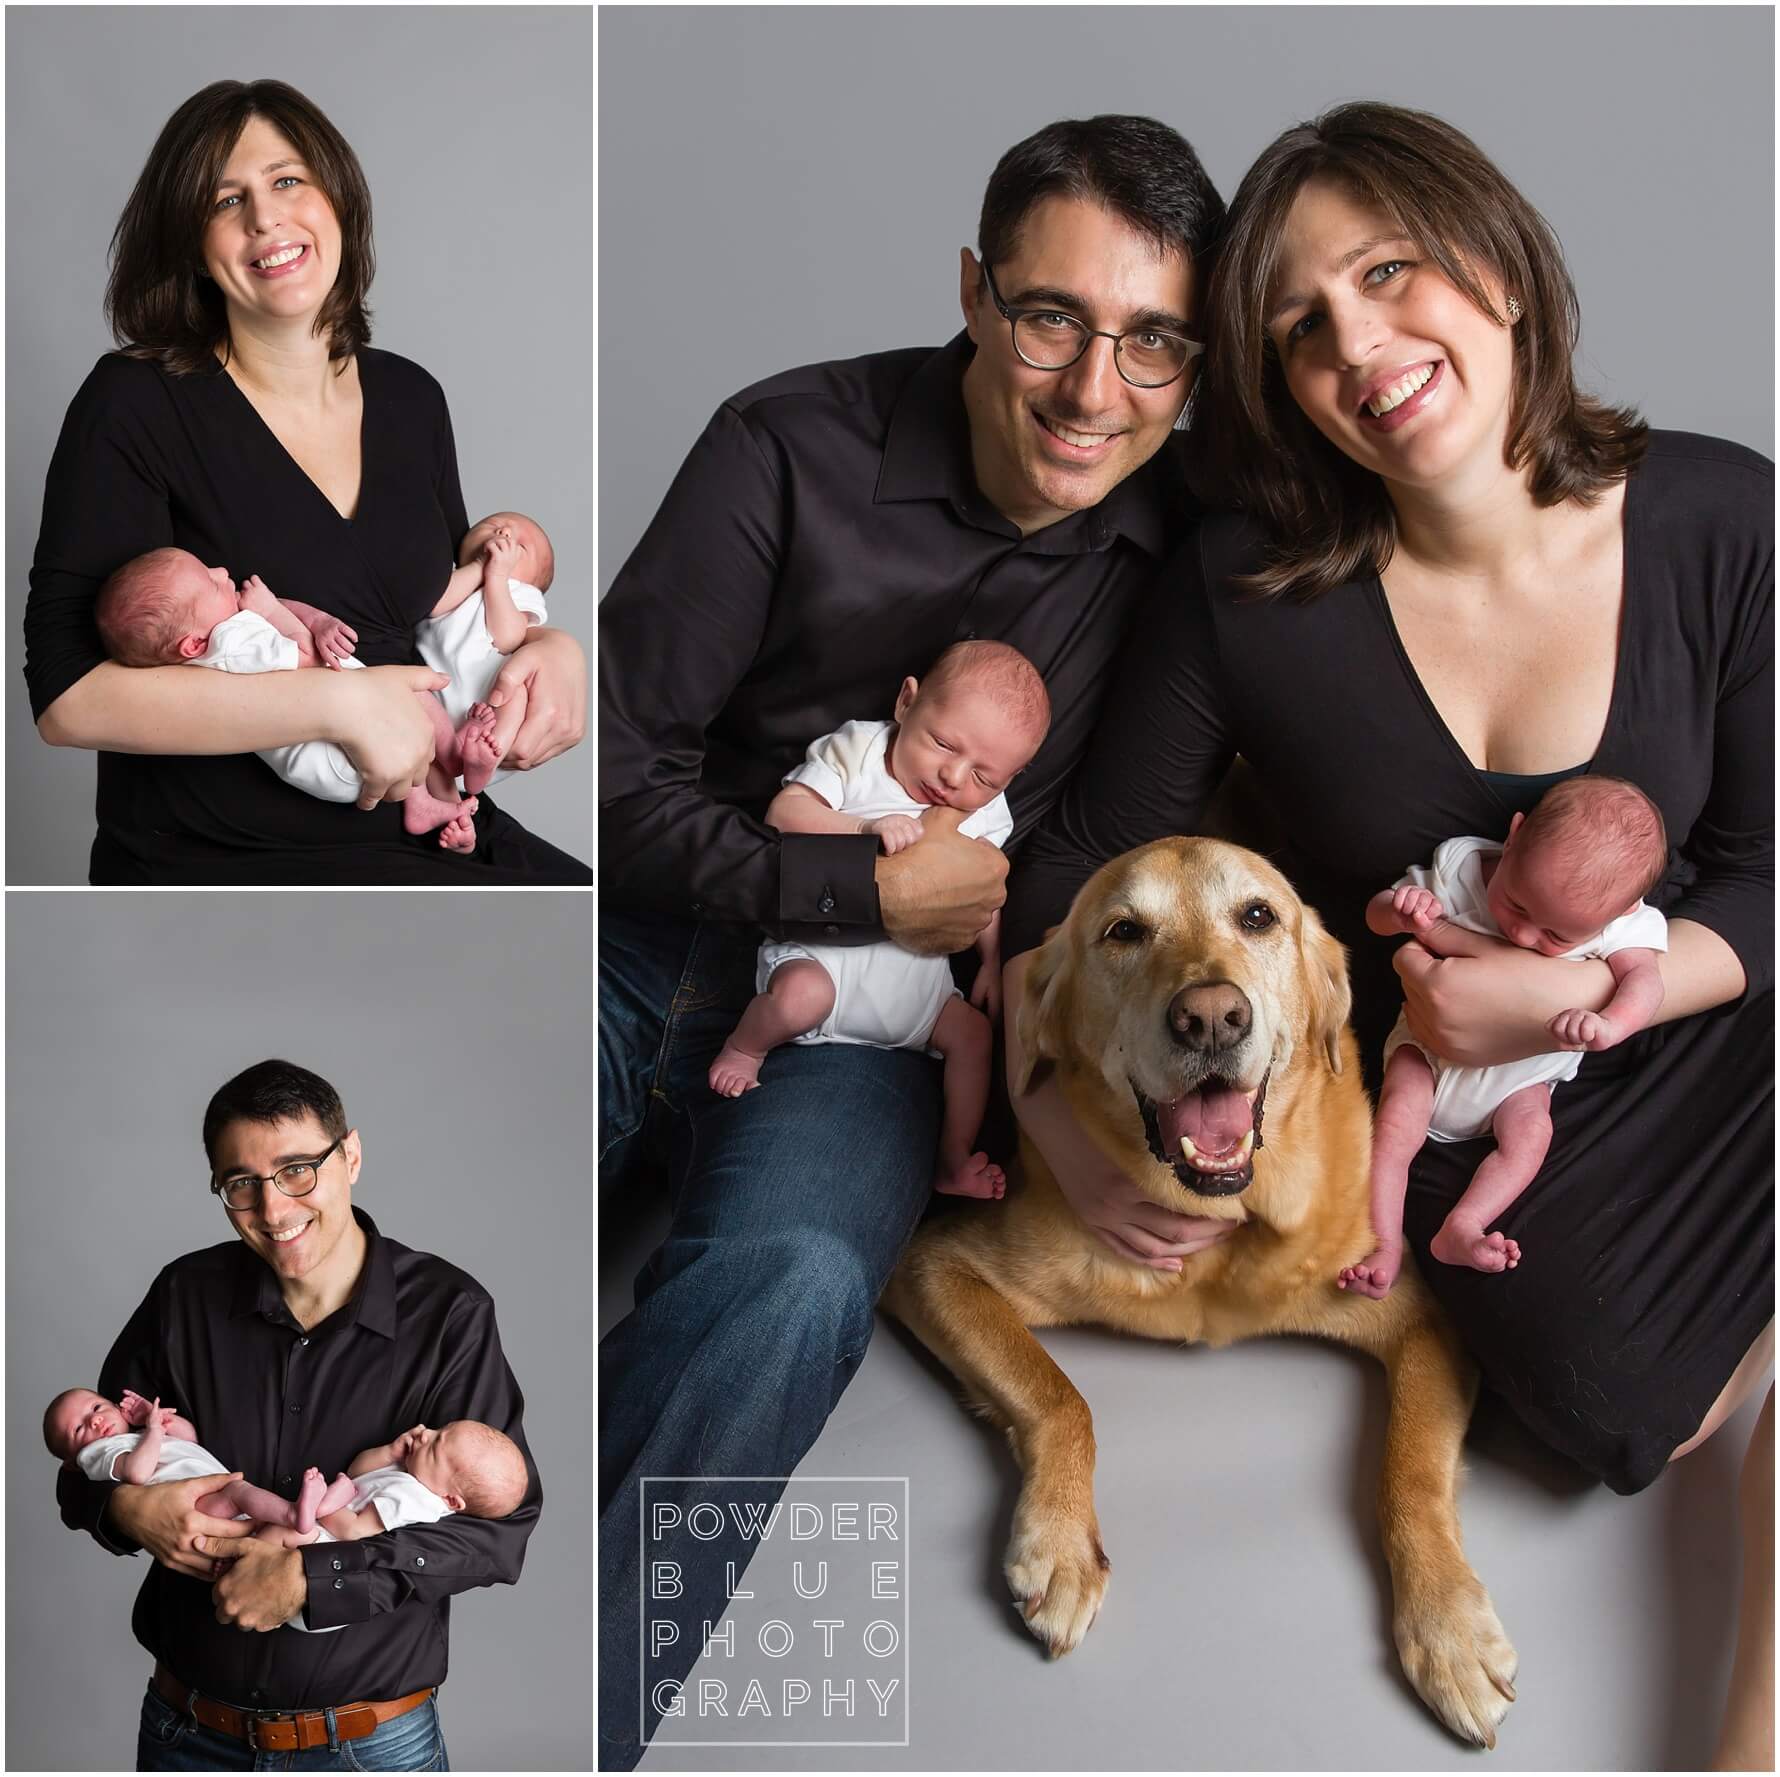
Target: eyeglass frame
[[219, 1186], [1014, 316]]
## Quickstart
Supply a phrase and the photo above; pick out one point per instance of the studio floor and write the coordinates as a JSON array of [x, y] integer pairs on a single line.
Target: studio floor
[[1247, 1623]]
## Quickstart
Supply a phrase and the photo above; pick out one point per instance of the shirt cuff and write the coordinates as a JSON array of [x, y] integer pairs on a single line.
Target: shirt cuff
[[828, 887], [339, 1584]]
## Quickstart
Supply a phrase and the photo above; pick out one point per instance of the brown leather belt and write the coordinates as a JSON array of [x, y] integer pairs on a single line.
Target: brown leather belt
[[267, 1731]]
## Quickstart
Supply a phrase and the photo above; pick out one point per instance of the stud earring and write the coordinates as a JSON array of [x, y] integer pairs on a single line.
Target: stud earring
[[1514, 308]]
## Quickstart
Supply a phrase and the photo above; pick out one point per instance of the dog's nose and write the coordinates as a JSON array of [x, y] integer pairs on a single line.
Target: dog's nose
[[1209, 1017]]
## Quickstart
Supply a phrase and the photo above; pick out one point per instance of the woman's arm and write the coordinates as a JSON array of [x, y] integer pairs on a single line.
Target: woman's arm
[[373, 715], [1478, 1011]]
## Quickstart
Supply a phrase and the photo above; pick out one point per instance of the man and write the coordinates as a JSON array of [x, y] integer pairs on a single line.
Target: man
[[830, 534], [307, 1339]]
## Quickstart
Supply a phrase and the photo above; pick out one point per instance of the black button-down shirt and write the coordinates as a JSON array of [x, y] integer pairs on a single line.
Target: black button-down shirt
[[825, 540], [416, 1344]]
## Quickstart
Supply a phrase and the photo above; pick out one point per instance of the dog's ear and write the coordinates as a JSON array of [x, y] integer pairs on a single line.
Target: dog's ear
[[1326, 987], [1044, 1014]]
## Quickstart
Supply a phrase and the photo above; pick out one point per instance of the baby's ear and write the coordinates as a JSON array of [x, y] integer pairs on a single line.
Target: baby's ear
[[455, 1501], [189, 647]]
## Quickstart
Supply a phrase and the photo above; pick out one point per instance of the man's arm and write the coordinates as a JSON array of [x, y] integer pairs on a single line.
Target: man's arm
[[433, 1561]]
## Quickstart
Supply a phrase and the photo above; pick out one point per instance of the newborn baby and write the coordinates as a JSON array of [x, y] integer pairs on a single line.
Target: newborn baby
[[167, 608], [1568, 882], [144, 1443]]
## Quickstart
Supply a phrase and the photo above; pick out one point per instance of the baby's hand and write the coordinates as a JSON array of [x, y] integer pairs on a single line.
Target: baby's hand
[[1577, 1029], [334, 640], [405, 1442], [256, 596], [134, 1408], [500, 559], [1418, 908], [897, 831]]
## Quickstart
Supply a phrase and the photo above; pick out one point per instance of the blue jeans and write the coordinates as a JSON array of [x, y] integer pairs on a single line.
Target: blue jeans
[[790, 1205], [169, 1741]]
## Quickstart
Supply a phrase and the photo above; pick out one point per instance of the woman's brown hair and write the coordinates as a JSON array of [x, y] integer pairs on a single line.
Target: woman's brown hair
[[159, 302], [1327, 519]]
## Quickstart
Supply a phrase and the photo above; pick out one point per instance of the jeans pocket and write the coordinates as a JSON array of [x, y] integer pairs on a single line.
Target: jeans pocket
[[412, 1742], [161, 1724]]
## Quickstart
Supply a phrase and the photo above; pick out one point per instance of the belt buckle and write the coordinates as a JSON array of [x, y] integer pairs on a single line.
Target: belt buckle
[[254, 1718]]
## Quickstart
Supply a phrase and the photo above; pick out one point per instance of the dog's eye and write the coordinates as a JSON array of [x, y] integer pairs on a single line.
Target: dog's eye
[[1257, 916], [1124, 931]]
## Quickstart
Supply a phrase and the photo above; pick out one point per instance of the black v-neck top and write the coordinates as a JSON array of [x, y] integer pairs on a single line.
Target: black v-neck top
[[146, 460]]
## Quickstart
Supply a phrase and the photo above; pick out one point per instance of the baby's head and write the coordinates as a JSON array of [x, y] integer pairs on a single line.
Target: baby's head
[[967, 729], [1588, 853], [160, 608], [78, 1417], [537, 560], [471, 1466]]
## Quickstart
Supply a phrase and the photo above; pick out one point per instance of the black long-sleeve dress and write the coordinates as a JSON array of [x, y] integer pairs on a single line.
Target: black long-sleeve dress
[[146, 460], [1648, 1235]]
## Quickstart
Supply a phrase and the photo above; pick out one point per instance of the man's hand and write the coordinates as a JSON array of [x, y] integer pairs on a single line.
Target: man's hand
[[165, 1520], [940, 893], [263, 1588]]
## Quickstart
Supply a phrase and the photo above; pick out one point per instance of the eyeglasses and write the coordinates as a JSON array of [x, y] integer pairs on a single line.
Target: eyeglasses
[[1046, 339], [296, 1180]]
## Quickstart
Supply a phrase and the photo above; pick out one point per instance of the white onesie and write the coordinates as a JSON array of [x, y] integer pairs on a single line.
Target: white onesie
[[459, 645], [1467, 1098], [247, 643], [400, 1499], [180, 1460], [884, 995]]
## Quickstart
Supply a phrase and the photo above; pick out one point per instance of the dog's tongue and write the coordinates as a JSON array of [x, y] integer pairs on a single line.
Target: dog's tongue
[[1214, 1119]]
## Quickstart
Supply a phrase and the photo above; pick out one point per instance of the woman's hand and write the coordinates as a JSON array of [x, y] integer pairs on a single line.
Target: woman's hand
[[1495, 1005], [164, 1520], [1131, 1224], [552, 671], [383, 727]]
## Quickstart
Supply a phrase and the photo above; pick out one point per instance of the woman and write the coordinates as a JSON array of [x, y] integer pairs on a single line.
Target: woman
[[1459, 581], [248, 420]]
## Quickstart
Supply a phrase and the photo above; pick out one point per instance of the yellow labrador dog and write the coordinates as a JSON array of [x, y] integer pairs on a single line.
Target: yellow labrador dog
[[1196, 1013]]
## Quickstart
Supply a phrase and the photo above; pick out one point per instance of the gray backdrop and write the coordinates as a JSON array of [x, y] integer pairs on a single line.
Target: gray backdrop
[[458, 1030], [780, 186], [473, 125]]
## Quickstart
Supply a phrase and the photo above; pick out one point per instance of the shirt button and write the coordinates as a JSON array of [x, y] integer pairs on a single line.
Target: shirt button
[[826, 904], [339, 1585], [832, 931], [302, 1341], [420, 1561], [970, 635], [338, 1565], [698, 907], [295, 1408], [284, 1480]]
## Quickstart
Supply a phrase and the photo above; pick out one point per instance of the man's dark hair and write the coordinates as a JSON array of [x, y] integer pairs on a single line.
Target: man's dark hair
[[158, 304], [272, 1092], [1139, 169]]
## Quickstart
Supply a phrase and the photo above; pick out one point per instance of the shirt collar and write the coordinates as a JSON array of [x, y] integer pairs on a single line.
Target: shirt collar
[[373, 1303], [927, 457]]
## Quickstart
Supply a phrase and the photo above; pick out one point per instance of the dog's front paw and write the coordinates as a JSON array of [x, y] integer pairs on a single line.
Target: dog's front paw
[[1057, 1572], [1458, 1656]]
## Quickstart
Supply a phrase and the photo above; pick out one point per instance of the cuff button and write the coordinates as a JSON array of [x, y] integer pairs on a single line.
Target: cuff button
[[338, 1565], [339, 1585], [826, 904], [420, 1561]]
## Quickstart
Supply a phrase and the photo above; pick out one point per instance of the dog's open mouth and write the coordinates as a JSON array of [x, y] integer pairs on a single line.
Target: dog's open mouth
[[1209, 1136]]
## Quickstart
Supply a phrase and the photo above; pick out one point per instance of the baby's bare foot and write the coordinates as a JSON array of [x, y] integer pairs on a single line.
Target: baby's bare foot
[[459, 833], [1465, 1243], [735, 1071], [477, 747], [309, 1497], [422, 811], [1374, 1275], [976, 1175]]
